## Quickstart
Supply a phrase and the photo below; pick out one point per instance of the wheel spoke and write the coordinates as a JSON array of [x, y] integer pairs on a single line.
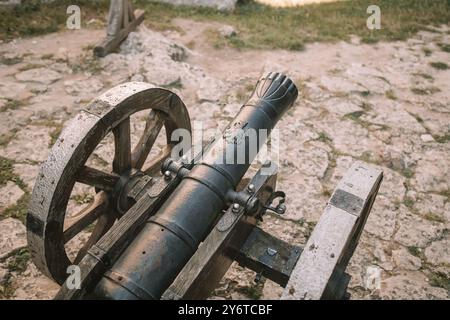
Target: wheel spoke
[[103, 224], [152, 128], [74, 225], [157, 162], [96, 178], [122, 145]]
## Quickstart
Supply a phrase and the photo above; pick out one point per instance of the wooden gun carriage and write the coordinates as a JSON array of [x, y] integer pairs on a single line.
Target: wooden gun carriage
[[170, 228]]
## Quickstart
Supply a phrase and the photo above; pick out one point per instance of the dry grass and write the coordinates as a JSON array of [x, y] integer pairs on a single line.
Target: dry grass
[[259, 26]]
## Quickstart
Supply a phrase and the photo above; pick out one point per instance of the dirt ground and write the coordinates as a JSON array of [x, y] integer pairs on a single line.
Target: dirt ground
[[383, 103]]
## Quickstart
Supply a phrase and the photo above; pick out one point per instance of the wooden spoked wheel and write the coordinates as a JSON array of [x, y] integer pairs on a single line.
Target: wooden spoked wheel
[[49, 226]]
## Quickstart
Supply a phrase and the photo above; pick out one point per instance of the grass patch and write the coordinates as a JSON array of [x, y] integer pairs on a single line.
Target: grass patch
[[55, 133], [259, 26], [390, 94], [17, 263], [444, 47], [191, 45], [354, 115], [442, 139], [415, 251], [430, 216], [30, 66], [82, 198], [33, 17], [86, 63], [12, 104], [427, 51], [253, 292], [439, 65], [7, 173], [264, 27], [19, 210], [425, 91], [176, 84], [407, 173], [440, 279], [408, 202], [11, 61], [424, 75], [244, 92], [6, 170], [47, 56], [366, 106], [6, 138], [364, 93], [99, 160], [417, 117], [323, 137]]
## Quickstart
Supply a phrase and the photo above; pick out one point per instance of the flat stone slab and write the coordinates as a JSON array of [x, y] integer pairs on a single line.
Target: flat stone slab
[[13, 236], [438, 253], [11, 90], [41, 75], [9, 195], [30, 143], [27, 173]]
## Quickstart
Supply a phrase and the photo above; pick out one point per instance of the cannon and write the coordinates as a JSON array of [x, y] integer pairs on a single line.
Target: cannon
[[170, 226]]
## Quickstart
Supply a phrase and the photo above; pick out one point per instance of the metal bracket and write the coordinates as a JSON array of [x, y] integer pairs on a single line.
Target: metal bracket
[[281, 207], [268, 256]]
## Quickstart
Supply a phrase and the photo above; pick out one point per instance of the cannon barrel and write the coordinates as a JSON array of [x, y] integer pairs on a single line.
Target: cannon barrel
[[151, 262]]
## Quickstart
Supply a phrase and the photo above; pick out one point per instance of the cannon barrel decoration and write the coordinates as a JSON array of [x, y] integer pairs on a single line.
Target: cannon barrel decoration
[[169, 226]]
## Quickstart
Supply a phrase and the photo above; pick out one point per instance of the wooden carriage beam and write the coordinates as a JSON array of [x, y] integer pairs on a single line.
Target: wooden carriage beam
[[122, 20], [319, 273]]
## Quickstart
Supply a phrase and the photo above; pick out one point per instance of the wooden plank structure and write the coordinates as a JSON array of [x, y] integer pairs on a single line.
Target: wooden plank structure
[[320, 271], [122, 19]]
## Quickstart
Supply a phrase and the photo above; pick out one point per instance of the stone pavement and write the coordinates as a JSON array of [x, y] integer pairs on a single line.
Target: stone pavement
[[384, 104]]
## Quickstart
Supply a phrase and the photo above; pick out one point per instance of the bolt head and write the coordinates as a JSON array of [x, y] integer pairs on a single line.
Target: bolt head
[[251, 188], [281, 209], [236, 207], [167, 174]]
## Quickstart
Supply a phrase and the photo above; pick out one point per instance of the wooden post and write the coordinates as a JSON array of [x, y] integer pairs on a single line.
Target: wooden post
[[122, 19], [319, 272]]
